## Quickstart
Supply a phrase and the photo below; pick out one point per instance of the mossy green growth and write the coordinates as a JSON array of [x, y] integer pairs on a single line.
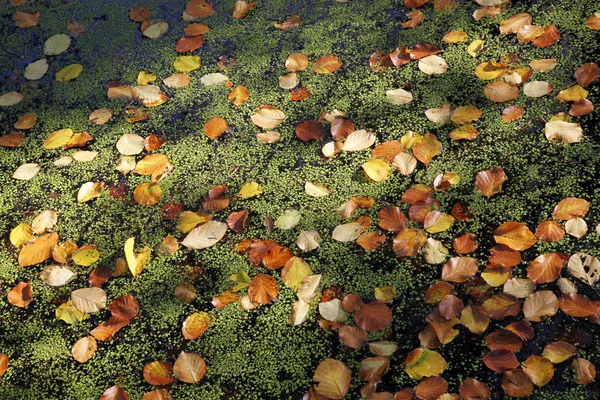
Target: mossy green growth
[[257, 354]]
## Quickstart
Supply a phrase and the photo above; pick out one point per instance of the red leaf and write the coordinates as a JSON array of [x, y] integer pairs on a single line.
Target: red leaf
[[373, 317], [309, 130]]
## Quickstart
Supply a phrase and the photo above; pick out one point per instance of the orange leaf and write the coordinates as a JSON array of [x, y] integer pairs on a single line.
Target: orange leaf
[[263, 288], [158, 373], [276, 257], [26, 121], [489, 182], [437, 291], [578, 305], [408, 242], [422, 50], [550, 36], [20, 295], [300, 93], [241, 8], [371, 240], [512, 113], [515, 235], [386, 150], [291, 22], [124, 307], [3, 364], [415, 19], [504, 256], [581, 107], [353, 336], [114, 393], [549, 231], [106, 330], [450, 306], [416, 194], [465, 243], [503, 340], [189, 43], [199, 8], [215, 127], [189, 367], [333, 378], [327, 65], [542, 303], [502, 305], [426, 149], [147, 194], [546, 267], [195, 29], [585, 372], [414, 4], [37, 250], [26, 20], [239, 95], [571, 207]]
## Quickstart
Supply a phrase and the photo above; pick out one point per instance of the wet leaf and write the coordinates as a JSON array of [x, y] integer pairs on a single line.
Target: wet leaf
[[189, 367], [423, 362], [333, 378], [327, 65]]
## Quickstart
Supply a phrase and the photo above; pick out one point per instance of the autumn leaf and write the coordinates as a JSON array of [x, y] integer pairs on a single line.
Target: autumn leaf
[[374, 316], [500, 91], [333, 378], [158, 373], [571, 207], [489, 182], [422, 362], [515, 235], [114, 393], [327, 65], [37, 250], [20, 295], [427, 149], [189, 367], [25, 19], [263, 288]]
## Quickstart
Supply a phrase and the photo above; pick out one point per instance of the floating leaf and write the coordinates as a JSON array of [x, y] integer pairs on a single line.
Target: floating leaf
[[187, 63], [333, 378], [327, 65], [57, 44], [268, 117], [422, 362], [69, 73], [89, 300], [263, 288], [189, 367], [84, 349], [37, 250], [374, 316], [542, 303], [26, 172], [539, 369], [515, 235], [433, 65], [558, 352]]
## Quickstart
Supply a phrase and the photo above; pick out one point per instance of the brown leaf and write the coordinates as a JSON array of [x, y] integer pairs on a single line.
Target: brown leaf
[[550, 36], [392, 219], [587, 74], [416, 193], [437, 291], [431, 388], [426, 149], [473, 389], [189, 367], [571, 207], [25, 19], [465, 243], [374, 316], [504, 256], [114, 393], [189, 43], [516, 383], [241, 8], [500, 92], [13, 139], [489, 182], [263, 288], [450, 307], [371, 369], [414, 3], [341, 128], [371, 240], [100, 275], [512, 113], [501, 360], [353, 336], [585, 371], [124, 307], [475, 318], [106, 330], [522, 329], [558, 352], [309, 130], [408, 242], [466, 115], [581, 107], [501, 306], [422, 50], [386, 150], [20, 295], [351, 302], [578, 305], [237, 220], [415, 19], [291, 22], [515, 23], [300, 93], [139, 14], [459, 269]]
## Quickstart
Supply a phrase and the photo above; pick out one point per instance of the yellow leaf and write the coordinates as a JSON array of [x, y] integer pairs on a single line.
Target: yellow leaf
[[145, 78], [147, 194], [69, 313], [21, 234], [573, 93], [188, 220], [455, 37], [88, 191], [250, 189], [385, 294], [86, 255], [409, 139], [475, 47], [490, 70], [136, 262], [422, 362], [58, 138], [377, 169], [187, 63], [69, 73], [294, 272]]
